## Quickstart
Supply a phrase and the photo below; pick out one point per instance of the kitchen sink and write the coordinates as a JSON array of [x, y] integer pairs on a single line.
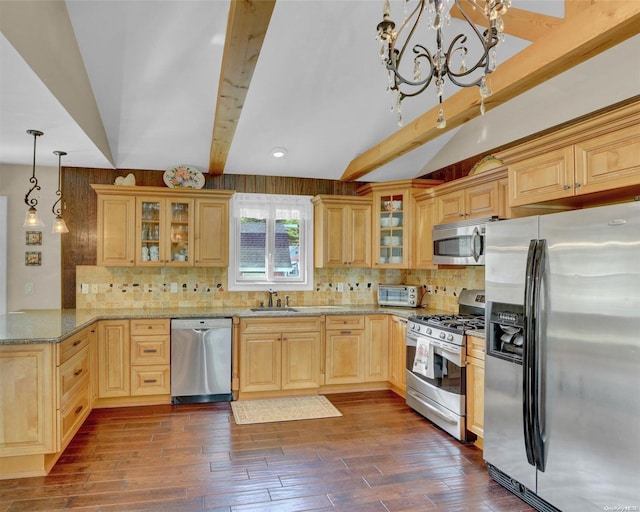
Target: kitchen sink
[[274, 309]]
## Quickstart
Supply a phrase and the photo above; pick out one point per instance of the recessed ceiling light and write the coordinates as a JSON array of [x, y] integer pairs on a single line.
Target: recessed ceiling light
[[278, 152]]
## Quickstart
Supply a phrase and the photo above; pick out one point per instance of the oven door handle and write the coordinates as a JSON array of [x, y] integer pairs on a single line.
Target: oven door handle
[[448, 417]]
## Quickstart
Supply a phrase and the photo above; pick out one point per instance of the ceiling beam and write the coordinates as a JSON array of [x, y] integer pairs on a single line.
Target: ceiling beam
[[42, 33], [246, 28], [597, 28], [526, 25]]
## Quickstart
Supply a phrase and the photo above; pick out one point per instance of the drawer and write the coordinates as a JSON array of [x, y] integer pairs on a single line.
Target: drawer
[[73, 414], [340, 322], [150, 380], [147, 350], [278, 325], [475, 347], [74, 344], [145, 326], [72, 373]]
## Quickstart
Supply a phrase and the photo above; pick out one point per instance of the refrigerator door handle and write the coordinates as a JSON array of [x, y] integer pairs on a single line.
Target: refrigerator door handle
[[537, 407], [528, 352]]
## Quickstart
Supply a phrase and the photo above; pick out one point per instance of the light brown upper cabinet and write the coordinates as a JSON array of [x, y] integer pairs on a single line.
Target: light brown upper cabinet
[[342, 231], [393, 207], [474, 201], [597, 160], [156, 226], [116, 230]]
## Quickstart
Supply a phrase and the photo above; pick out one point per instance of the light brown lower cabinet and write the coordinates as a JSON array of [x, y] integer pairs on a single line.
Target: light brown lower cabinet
[[475, 385], [279, 355], [357, 349], [45, 396], [398, 354], [134, 362]]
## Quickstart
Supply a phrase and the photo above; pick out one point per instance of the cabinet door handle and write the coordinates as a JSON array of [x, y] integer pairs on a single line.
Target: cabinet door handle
[[566, 187], [577, 185], [77, 342], [79, 409], [150, 381], [78, 372], [150, 350]]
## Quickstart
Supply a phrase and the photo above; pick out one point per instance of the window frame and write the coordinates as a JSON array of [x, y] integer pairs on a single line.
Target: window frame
[[269, 203]]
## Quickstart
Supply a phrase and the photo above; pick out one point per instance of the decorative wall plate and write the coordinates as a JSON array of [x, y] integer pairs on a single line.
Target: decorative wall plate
[[486, 164], [183, 177]]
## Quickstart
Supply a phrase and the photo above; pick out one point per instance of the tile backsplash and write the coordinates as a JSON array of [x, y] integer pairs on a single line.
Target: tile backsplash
[[135, 287]]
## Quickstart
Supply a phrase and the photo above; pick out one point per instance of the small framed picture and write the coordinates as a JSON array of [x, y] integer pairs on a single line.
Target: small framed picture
[[34, 237], [32, 258]]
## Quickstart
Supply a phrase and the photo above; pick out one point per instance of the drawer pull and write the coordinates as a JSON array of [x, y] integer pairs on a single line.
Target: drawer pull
[[79, 409], [150, 381], [150, 327], [77, 372], [345, 332], [77, 342], [150, 350]]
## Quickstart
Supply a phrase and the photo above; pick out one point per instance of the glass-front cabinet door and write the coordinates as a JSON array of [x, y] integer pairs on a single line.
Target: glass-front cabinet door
[[149, 232], [180, 232], [392, 234], [164, 234]]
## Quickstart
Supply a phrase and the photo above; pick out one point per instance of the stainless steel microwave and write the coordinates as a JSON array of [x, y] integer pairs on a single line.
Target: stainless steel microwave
[[460, 243], [398, 295]]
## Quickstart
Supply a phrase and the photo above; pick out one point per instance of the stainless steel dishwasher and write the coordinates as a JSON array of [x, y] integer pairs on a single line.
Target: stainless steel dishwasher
[[201, 360]]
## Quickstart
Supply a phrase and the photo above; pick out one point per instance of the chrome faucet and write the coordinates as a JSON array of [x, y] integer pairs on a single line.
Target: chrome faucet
[[271, 293]]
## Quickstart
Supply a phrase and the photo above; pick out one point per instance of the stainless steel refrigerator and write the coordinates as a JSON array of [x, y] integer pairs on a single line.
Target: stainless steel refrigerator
[[562, 369]]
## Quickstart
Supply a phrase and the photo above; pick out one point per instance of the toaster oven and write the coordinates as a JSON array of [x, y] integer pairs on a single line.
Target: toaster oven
[[398, 295]]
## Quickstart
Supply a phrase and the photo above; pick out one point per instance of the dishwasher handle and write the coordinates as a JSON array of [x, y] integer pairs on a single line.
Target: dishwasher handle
[[200, 324]]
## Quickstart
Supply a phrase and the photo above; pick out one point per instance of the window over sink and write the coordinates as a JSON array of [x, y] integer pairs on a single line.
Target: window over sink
[[271, 242]]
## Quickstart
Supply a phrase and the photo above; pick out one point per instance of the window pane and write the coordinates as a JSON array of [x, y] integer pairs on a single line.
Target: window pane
[[287, 248], [253, 248]]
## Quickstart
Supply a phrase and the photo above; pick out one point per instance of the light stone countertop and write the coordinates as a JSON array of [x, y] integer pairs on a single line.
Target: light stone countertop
[[55, 325]]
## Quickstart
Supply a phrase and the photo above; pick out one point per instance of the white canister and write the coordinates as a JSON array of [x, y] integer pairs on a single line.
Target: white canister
[[145, 254], [154, 253]]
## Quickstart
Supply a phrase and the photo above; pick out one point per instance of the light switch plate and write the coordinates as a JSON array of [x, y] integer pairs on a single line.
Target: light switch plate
[[84, 288], [340, 287], [94, 288], [174, 287]]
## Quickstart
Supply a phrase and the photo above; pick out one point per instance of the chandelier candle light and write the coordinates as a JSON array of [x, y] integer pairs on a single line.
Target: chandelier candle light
[[32, 220], [447, 61], [59, 226]]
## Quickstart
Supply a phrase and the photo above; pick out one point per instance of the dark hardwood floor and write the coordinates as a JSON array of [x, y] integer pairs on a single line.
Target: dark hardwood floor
[[379, 456]]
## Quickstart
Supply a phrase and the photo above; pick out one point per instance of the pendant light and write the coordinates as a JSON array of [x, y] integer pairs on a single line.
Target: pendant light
[[59, 226], [32, 219]]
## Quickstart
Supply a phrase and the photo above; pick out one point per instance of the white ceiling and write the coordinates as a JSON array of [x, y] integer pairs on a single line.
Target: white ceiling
[[318, 90]]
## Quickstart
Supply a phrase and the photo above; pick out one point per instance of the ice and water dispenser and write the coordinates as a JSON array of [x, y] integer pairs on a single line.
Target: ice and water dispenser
[[506, 331]]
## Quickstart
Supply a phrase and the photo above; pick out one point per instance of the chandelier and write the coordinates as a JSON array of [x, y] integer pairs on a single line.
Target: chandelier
[[449, 60]]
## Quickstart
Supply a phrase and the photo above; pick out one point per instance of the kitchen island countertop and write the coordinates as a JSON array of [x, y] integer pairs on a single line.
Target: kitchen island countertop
[[55, 325]]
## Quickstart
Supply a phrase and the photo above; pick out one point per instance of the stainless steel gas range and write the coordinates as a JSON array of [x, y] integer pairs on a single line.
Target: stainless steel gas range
[[436, 353]]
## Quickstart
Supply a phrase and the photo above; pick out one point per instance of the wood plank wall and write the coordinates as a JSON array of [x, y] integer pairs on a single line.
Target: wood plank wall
[[80, 204]]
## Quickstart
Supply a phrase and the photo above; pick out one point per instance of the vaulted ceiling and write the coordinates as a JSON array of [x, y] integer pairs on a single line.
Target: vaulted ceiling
[[143, 84]]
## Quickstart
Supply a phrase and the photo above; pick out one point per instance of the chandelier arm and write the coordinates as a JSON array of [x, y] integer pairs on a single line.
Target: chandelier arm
[[56, 209], [453, 76], [419, 9], [32, 202]]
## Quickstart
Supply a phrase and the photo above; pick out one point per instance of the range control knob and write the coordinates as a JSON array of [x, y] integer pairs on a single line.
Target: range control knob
[[429, 331], [442, 335], [450, 337]]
